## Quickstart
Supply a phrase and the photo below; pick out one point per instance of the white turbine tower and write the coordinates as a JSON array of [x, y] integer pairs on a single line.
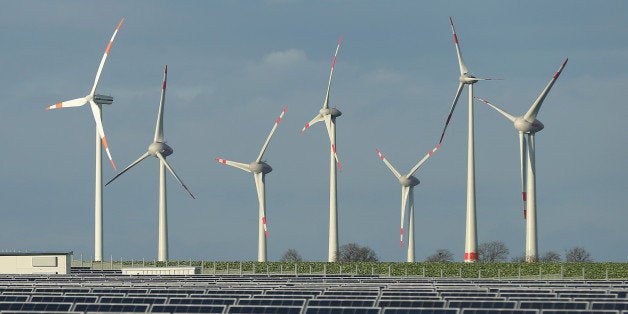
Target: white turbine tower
[[96, 101], [408, 182], [529, 125], [159, 149], [259, 169], [329, 115], [471, 242]]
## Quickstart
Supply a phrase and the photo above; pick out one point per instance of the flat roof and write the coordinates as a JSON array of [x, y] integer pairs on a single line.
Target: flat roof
[[34, 253]]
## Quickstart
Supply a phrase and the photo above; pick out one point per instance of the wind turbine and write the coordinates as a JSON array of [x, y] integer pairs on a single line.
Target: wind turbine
[[329, 115], [471, 242], [259, 169], [96, 101], [408, 182], [159, 149], [529, 125]]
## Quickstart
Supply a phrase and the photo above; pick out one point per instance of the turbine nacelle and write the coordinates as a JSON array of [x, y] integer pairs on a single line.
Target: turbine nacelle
[[102, 99], [160, 147], [523, 125], [467, 78], [260, 167], [409, 181], [330, 111]]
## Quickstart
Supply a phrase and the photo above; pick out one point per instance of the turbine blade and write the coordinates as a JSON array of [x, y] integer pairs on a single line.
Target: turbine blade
[[451, 111], [530, 116], [174, 174], [504, 113], [423, 160], [69, 103], [159, 126], [405, 191], [261, 194], [242, 166], [146, 154], [331, 74], [332, 138], [270, 135], [316, 119], [388, 164], [487, 79], [463, 67], [522, 159], [104, 58], [101, 131]]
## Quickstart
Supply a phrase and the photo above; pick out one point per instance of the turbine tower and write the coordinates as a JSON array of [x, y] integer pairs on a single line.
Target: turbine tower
[[259, 169], [96, 101], [529, 125], [408, 182], [159, 149], [329, 115], [471, 242]]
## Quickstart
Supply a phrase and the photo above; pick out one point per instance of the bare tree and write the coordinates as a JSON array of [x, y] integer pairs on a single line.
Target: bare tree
[[578, 254], [519, 259], [352, 252], [550, 257], [494, 251], [291, 255], [441, 255]]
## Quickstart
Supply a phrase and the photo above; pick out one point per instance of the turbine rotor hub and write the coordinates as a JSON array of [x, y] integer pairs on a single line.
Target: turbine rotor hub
[[160, 147], [467, 78], [523, 125], [330, 111], [257, 167], [408, 181]]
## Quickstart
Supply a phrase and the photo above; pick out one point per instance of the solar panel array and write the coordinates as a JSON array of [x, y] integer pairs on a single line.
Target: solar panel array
[[86, 292]]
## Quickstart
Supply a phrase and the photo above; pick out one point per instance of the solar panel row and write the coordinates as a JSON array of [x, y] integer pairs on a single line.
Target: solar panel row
[[314, 294]]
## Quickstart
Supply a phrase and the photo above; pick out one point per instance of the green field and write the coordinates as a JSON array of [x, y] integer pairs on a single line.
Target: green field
[[452, 270]]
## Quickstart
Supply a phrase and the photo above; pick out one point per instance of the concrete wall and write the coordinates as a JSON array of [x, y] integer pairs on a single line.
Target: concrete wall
[[35, 263]]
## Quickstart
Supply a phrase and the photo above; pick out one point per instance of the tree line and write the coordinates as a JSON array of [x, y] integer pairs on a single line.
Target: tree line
[[493, 251]]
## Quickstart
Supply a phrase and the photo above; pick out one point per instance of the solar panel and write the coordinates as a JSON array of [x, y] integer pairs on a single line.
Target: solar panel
[[111, 307], [274, 302], [620, 306], [34, 306], [407, 310], [341, 302], [346, 296], [133, 300], [62, 290], [13, 298], [350, 292], [284, 296], [553, 305], [60, 298], [419, 298], [205, 300], [294, 292], [187, 308], [467, 298], [497, 311], [265, 309], [227, 291], [558, 311], [341, 310], [411, 303], [178, 291], [483, 304], [119, 290], [410, 293]]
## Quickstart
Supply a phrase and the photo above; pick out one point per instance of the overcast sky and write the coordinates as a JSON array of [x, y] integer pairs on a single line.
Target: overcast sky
[[233, 65]]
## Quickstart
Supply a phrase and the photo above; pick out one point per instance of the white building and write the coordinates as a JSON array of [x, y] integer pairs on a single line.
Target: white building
[[35, 262]]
